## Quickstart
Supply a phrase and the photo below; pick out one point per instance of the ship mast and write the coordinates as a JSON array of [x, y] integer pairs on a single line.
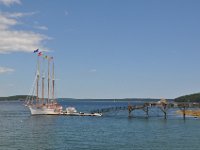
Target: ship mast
[[48, 80], [53, 83], [37, 84], [43, 77]]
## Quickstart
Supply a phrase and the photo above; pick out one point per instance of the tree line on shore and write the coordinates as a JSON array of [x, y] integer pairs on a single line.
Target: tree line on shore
[[186, 98], [189, 98], [12, 98]]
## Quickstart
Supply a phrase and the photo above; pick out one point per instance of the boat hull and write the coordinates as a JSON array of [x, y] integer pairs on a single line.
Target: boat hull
[[82, 114], [53, 111], [43, 111]]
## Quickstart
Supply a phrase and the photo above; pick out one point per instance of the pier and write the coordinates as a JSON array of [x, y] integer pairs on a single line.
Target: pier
[[162, 105]]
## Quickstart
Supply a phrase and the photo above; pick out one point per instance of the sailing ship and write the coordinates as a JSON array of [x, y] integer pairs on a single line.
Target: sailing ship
[[43, 106], [48, 106]]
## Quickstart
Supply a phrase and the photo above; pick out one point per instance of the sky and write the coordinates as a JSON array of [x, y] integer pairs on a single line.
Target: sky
[[102, 48]]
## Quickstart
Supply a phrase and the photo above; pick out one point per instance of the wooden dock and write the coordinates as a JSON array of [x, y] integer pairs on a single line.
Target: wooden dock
[[163, 105]]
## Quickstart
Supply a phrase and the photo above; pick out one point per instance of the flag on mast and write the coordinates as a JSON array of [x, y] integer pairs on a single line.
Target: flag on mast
[[51, 58], [45, 56], [35, 51], [40, 54]]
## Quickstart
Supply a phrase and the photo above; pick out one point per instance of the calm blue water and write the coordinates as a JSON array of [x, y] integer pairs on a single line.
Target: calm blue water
[[19, 130]]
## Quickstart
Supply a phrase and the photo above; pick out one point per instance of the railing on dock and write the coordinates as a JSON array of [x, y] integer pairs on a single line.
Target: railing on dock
[[163, 106]]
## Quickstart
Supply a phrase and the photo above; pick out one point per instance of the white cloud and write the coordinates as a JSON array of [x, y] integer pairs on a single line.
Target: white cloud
[[41, 27], [10, 2], [6, 22], [18, 14], [66, 13], [10, 85], [5, 70], [12, 40], [93, 70], [20, 41]]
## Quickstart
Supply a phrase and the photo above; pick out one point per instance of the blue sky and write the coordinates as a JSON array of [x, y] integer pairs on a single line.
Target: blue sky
[[103, 48]]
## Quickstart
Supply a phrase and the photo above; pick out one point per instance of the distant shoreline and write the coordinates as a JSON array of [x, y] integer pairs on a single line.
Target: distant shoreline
[[23, 98], [186, 98], [14, 98]]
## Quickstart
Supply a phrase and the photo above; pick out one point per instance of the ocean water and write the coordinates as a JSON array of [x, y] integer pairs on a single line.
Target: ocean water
[[115, 130]]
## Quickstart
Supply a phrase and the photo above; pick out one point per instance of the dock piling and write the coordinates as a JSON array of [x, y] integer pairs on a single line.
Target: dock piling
[[162, 105], [183, 107]]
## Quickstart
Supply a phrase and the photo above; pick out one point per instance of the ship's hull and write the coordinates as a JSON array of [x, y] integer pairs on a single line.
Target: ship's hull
[[43, 111], [51, 111]]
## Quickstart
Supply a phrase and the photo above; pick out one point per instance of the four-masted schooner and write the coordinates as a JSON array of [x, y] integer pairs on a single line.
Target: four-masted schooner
[[49, 105]]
